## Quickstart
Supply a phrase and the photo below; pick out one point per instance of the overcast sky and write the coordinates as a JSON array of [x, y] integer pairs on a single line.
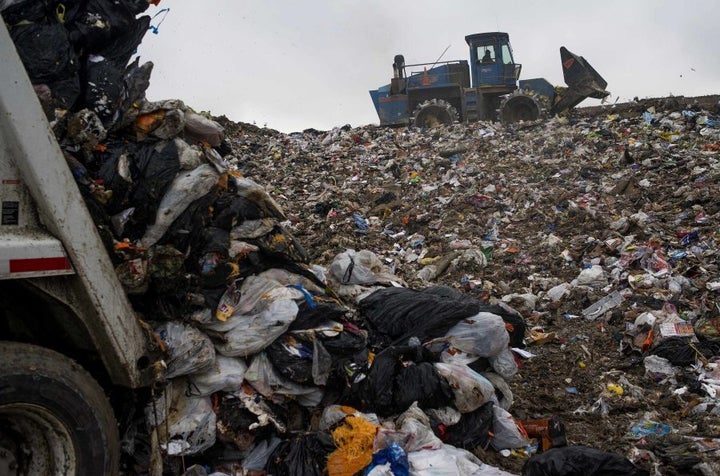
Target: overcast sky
[[304, 64]]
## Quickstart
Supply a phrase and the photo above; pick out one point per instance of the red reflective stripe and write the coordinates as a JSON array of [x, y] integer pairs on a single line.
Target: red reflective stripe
[[39, 264]]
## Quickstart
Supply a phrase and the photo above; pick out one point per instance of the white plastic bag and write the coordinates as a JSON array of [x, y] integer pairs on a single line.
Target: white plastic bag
[[433, 463], [471, 389], [226, 374], [271, 384], [189, 350], [184, 189], [361, 267], [506, 434], [504, 364], [483, 334], [255, 316], [417, 423], [185, 424]]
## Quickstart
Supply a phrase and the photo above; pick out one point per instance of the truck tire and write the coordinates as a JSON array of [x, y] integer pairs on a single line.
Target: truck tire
[[520, 106], [434, 112], [54, 418]]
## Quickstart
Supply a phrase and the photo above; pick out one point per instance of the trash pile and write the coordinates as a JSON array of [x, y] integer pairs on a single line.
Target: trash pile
[[474, 299]]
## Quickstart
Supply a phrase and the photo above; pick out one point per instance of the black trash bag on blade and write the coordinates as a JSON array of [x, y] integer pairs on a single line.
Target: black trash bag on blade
[[472, 431], [302, 455], [393, 315], [580, 461]]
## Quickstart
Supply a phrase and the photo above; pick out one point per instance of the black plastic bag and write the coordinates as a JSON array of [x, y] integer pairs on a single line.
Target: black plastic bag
[[681, 351], [472, 431], [393, 315], [292, 356], [46, 52], [135, 83], [400, 376], [303, 455], [579, 461], [153, 168]]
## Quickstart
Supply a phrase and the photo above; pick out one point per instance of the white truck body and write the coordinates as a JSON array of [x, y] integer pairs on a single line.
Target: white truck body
[[47, 236]]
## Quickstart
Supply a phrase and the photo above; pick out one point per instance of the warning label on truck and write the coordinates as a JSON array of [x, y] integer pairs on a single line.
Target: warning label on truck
[[10, 213]]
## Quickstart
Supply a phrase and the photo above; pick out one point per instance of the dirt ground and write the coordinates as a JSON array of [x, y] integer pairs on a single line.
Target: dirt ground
[[506, 191]]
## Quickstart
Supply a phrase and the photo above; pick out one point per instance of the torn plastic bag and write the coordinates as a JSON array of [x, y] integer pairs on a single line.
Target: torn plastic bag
[[473, 430], [397, 314], [247, 334], [136, 80], [244, 415], [184, 189], [226, 374], [166, 269], [185, 424], [415, 422], [261, 374], [506, 433], [260, 454], [201, 129], [293, 356], [400, 376], [189, 350], [360, 267], [302, 455], [334, 414], [190, 156], [471, 389], [280, 244], [579, 460]]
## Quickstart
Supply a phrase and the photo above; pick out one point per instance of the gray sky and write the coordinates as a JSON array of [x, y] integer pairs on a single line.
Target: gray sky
[[302, 64]]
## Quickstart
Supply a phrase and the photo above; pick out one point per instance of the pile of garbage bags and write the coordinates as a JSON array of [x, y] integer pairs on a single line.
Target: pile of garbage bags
[[369, 314], [256, 340]]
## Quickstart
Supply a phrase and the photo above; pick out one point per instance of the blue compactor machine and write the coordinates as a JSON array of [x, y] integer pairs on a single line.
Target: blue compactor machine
[[488, 87]]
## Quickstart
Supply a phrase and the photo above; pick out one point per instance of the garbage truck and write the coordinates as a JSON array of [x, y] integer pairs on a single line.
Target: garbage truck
[[488, 87], [72, 352]]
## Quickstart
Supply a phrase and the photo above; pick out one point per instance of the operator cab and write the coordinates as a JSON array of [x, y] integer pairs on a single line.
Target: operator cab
[[491, 61]]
